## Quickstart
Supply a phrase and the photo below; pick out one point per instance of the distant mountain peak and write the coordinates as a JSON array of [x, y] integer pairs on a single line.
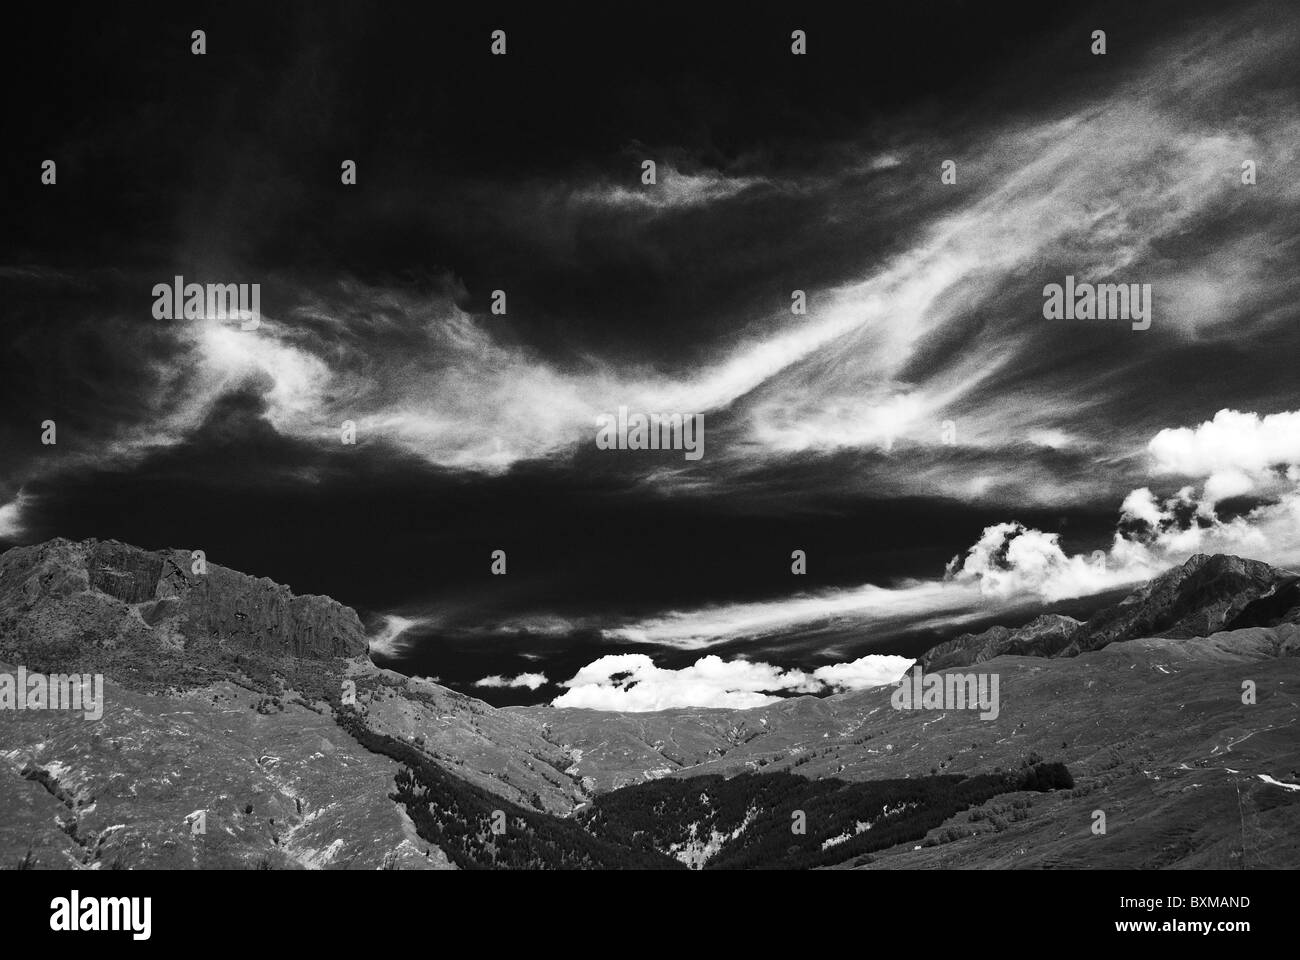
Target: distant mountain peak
[[1196, 599], [1206, 594]]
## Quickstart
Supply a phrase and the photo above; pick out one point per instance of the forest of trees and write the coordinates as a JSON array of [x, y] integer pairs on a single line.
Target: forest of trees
[[653, 816], [635, 826], [459, 817]]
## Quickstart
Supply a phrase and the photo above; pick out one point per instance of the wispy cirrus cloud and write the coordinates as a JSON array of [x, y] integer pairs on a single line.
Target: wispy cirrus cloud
[[1101, 188], [392, 639], [673, 189], [940, 327]]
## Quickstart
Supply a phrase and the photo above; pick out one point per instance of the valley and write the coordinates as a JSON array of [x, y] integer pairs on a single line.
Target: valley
[[222, 698]]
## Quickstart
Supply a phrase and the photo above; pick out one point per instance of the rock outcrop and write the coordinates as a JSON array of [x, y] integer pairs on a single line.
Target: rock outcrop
[[166, 595]]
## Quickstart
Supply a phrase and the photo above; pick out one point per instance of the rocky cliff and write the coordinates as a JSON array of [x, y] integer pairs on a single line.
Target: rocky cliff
[[113, 592]]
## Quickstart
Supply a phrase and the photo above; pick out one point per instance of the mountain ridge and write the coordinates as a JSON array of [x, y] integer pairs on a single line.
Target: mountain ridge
[[1206, 594], [233, 697]]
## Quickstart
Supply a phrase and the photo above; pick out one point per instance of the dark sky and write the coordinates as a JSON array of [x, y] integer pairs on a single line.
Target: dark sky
[[923, 409]]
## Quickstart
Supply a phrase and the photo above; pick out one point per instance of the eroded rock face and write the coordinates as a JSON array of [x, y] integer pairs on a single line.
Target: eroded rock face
[[128, 573], [259, 614], [53, 569], [220, 606]]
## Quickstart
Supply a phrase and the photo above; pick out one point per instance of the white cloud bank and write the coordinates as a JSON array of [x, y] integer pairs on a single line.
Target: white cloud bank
[[630, 682], [1012, 560], [1237, 453]]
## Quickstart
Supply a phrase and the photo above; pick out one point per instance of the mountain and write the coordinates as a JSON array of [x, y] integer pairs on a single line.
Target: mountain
[[233, 704], [223, 694], [121, 600], [1281, 604], [1202, 596], [1041, 637]]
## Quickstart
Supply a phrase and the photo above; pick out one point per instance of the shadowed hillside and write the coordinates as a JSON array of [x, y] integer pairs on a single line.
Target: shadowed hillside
[[230, 701]]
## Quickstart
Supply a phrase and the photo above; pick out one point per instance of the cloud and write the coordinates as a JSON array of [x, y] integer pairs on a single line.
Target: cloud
[[1097, 188], [1012, 560], [1011, 564], [632, 683], [673, 189], [1236, 453], [542, 625], [873, 670], [1099, 193], [1164, 532], [863, 606], [388, 641], [530, 680], [11, 522], [1140, 182]]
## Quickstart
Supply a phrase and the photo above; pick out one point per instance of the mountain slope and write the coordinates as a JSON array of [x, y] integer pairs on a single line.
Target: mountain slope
[[230, 697], [1042, 637], [1195, 600]]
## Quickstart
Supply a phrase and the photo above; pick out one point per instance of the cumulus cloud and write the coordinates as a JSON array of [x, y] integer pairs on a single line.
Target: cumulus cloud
[[1011, 560], [631, 682], [1186, 524], [532, 681], [1233, 454], [1236, 453], [873, 670]]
